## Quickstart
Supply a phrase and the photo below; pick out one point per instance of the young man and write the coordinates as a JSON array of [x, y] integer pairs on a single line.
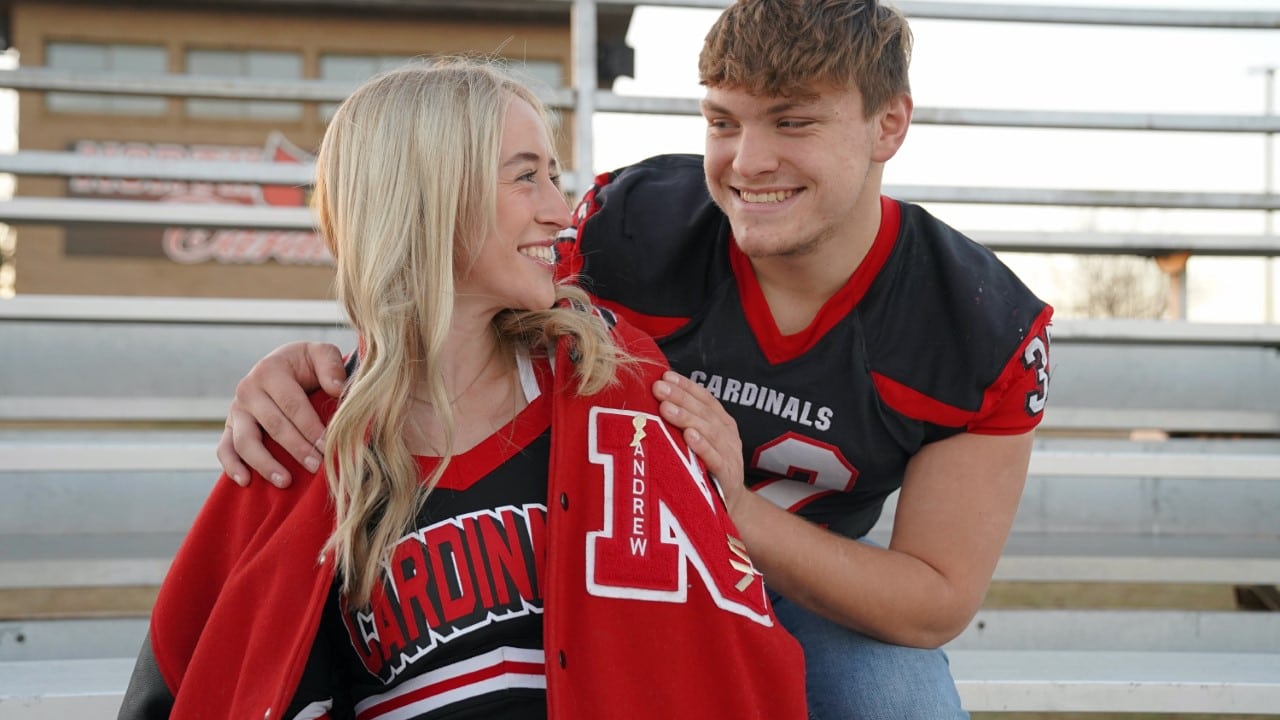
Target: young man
[[839, 345]]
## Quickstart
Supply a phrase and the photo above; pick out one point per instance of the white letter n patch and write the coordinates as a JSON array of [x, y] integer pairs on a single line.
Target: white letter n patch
[[661, 516]]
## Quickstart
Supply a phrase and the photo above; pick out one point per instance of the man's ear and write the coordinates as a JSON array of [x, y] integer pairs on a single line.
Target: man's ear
[[893, 120]]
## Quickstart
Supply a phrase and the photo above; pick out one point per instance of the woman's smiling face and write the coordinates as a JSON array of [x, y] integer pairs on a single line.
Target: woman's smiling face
[[515, 264]]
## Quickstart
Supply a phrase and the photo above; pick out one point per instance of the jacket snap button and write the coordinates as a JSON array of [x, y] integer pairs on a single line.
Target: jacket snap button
[[562, 659], [564, 500]]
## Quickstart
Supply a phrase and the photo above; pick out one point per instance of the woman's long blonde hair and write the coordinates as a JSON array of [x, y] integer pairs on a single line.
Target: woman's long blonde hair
[[406, 184]]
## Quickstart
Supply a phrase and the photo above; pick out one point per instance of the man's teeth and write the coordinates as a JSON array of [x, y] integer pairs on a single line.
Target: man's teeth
[[769, 197], [545, 253]]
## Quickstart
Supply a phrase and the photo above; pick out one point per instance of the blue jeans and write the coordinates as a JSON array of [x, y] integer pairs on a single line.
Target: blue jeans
[[850, 676]]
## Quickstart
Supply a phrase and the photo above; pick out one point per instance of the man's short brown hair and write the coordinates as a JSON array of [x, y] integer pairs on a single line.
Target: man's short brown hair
[[788, 48]]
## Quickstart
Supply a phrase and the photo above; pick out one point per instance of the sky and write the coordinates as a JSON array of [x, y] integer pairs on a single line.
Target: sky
[[1047, 67]]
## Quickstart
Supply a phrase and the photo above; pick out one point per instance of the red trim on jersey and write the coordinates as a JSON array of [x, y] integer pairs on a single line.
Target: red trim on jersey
[[779, 348], [569, 260], [466, 468], [1005, 408], [918, 406], [655, 326]]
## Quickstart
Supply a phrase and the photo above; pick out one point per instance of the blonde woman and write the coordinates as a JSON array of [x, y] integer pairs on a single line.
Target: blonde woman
[[503, 527]]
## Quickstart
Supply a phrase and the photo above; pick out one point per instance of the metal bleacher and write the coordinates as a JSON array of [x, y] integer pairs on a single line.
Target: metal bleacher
[[1158, 462]]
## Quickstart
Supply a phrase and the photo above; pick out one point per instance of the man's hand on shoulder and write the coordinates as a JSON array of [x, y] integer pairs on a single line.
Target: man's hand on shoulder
[[274, 397]]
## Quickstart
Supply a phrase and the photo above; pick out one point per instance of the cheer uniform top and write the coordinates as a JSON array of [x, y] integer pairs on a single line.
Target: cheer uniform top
[[931, 336], [586, 572], [455, 629]]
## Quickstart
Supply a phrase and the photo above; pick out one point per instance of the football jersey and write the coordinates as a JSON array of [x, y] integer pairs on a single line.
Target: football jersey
[[931, 336], [455, 631]]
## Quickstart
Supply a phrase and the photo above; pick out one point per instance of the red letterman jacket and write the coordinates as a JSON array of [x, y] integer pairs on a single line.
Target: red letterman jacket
[[652, 608]]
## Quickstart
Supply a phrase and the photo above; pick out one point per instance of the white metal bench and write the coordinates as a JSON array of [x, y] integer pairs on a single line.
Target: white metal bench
[[1020, 681], [110, 507], [103, 491], [988, 680]]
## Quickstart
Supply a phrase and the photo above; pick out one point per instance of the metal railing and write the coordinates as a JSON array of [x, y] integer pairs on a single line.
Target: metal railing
[[1072, 14], [585, 101]]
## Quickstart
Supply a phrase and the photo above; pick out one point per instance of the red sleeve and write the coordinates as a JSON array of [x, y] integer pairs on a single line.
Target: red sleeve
[[234, 525], [1015, 402], [195, 578], [654, 326]]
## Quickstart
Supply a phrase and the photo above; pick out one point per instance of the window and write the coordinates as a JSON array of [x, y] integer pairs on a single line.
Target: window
[[355, 69], [256, 64], [102, 58]]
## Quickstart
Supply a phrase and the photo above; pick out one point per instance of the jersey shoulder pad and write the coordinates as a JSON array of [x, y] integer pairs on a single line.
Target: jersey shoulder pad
[[950, 320], [650, 239], [953, 282]]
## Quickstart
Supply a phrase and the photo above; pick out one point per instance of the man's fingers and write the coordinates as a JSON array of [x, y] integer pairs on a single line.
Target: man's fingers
[[231, 465], [708, 452], [329, 370], [691, 405], [276, 418], [675, 403], [707, 427], [291, 420], [246, 437], [273, 398]]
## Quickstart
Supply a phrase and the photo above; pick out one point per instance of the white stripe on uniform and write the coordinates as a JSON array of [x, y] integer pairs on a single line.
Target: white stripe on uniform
[[502, 669]]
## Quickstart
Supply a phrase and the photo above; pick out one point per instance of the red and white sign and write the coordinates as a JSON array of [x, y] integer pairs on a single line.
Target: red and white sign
[[193, 245]]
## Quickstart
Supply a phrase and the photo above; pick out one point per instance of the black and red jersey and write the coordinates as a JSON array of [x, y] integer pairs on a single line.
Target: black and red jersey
[[455, 630], [931, 336]]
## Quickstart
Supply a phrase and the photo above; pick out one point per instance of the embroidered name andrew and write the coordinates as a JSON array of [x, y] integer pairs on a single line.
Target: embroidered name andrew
[[449, 579]]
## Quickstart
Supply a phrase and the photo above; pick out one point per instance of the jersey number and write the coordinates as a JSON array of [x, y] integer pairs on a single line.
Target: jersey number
[[807, 469], [1036, 357]]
